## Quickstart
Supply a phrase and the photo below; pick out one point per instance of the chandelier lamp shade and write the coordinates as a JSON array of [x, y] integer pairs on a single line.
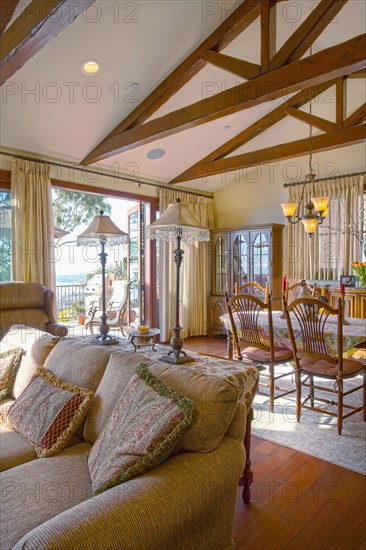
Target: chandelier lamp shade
[[102, 232], [177, 223], [318, 207]]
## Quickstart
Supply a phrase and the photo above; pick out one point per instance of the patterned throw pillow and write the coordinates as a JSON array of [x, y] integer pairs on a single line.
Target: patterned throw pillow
[[48, 412], [142, 432], [9, 364]]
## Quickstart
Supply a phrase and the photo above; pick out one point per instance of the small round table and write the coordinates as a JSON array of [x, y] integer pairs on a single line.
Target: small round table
[[144, 339]]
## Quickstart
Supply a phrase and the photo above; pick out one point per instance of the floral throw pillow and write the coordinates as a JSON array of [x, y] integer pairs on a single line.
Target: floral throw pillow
[[9, 364], [48, 412], [143, 430]]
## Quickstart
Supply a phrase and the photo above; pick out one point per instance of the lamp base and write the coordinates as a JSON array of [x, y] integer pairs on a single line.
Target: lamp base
[[108, 341], [176, 360]]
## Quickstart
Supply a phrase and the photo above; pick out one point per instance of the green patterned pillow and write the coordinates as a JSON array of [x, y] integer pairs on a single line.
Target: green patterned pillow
[[48, 412], [143, 430], [9, 364]]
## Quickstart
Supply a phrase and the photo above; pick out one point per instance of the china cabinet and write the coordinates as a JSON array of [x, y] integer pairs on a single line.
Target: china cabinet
[[240, 255]]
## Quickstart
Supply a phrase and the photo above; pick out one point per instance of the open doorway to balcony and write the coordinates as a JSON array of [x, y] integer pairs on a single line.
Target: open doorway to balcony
[[78, 269]]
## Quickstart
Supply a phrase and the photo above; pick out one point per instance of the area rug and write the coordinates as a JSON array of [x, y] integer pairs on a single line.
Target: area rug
[[316, 434]]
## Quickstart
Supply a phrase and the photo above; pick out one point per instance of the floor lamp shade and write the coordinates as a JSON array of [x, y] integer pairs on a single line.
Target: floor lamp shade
[[177, 223], [102, 231]]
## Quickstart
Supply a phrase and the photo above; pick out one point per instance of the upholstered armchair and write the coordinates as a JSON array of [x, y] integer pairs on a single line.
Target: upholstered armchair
[[30, 304]]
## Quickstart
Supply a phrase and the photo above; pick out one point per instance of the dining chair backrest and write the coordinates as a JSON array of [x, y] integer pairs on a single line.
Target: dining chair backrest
[[244, 310], [254, 289], [299, 290], [311, 315]]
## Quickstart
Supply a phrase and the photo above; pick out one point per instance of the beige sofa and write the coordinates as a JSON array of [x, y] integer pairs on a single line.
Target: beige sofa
[[186, 503], [31, 304]]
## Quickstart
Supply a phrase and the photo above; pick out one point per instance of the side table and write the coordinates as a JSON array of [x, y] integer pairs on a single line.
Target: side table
[[144, 339]]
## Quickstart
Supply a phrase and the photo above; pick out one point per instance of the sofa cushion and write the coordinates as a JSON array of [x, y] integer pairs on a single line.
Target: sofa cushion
[[14, 449], [35, 492], [119, 371], [79, 362], [9, 365], [48, 412], [143, 430], [215, 398], [36, 344]]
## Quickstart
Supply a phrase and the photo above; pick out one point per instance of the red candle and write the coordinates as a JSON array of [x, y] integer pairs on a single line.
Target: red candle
[[342, 288], [284, 282]]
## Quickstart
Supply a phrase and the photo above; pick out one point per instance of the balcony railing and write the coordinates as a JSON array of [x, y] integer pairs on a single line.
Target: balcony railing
[[70, 301]]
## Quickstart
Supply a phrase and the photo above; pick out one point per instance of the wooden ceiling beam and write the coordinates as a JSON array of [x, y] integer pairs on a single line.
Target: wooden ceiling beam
[[318, 122], [7, 9], [357, 117], [358, 74], [234, 25], [323, 142], [37, 25], [341, 100], [321, 67], [268, 33], [301, 40], [233, 65], [256, 128]]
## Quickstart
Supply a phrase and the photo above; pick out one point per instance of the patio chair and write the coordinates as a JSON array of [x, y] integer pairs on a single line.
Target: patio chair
[[116, 312], [312, 359], [255, 289], [249, 343]]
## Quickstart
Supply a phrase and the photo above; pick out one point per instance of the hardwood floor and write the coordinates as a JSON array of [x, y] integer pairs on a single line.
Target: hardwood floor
[[298, 502]]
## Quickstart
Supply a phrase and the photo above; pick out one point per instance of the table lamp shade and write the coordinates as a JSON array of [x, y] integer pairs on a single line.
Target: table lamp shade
[[102, 229], [178, 220]]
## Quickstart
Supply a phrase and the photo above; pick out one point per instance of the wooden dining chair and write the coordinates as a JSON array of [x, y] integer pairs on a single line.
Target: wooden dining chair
[[255, 289], [244, 312], [295, 291], [312, 359]]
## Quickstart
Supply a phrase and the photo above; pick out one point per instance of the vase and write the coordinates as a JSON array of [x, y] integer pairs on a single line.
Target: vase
[[361, 279]]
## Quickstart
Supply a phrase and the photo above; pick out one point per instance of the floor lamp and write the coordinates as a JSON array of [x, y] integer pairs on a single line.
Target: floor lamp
[[102, 231], [178, 223]]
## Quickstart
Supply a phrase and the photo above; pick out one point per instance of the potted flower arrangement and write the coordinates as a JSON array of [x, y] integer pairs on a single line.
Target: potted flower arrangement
[[360, 268]]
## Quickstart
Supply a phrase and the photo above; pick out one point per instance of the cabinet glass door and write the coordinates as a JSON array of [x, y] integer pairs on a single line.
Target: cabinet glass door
[[240, 260], [260, 257], [221, 265]]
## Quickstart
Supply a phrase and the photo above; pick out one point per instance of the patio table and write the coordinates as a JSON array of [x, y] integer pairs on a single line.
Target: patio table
[[353, 334]]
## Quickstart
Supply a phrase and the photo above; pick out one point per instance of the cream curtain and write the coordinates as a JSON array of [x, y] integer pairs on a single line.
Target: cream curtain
[[32, 224], [329, 253], [194, 272]]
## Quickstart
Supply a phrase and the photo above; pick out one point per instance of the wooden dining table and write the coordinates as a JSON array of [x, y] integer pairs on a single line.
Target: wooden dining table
[[354, 333]]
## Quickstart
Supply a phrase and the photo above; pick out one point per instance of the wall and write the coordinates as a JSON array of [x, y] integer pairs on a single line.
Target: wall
[[250, 201]]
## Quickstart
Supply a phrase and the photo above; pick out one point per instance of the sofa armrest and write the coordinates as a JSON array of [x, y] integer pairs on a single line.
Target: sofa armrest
[[187, 502], [57, 330]]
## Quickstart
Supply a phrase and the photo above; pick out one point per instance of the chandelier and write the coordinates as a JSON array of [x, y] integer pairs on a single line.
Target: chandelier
[[318, 207]]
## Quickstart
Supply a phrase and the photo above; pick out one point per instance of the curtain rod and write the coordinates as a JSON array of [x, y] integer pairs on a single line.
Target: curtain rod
[[325, 179], [105, 174]]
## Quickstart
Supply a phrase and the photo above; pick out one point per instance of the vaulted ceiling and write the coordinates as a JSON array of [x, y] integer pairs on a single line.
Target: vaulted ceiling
[[220, 87]]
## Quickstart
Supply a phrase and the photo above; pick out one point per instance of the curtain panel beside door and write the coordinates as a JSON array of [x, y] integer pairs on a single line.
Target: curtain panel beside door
[[33, 257]]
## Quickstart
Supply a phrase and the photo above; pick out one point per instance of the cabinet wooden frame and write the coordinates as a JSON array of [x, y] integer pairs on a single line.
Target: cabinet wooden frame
[[221, 281]]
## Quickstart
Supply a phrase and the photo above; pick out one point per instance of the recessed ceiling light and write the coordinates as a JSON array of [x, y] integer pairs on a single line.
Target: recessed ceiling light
[[226, 127], [156, 153], [89, 67]]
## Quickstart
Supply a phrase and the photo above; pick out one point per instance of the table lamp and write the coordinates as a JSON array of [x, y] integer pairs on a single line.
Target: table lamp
[[178, 223], [102, 231]]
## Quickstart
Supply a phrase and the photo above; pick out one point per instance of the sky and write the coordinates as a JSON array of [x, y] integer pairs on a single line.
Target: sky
[[72, 259]]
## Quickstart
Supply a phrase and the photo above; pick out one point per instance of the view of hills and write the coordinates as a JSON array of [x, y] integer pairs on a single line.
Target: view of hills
[[71, 279]]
